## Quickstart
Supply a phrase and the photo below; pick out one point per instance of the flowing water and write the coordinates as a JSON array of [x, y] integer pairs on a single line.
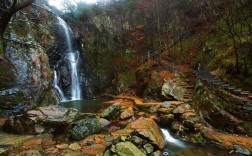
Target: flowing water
[[72, 58], [56, 86], [176, 147], [75, 85]]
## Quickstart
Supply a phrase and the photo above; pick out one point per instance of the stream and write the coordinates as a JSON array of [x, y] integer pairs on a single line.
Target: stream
[[174, 147]]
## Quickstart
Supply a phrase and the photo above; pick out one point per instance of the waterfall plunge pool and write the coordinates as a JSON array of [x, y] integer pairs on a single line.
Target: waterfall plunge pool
[[87, 106]]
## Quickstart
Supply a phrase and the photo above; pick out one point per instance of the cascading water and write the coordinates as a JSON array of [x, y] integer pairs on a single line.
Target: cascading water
[[56, 86], [75, 86], [72, 58]]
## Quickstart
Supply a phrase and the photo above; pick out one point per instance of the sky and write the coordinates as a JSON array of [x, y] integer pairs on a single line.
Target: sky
[[59, 4]]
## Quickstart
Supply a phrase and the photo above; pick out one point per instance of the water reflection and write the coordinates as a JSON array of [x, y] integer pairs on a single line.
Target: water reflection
[[86, 106]]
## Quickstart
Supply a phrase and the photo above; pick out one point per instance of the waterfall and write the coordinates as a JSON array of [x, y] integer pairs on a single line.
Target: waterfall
[[172, 140], [75, 86], [56, 86], [72, 57]]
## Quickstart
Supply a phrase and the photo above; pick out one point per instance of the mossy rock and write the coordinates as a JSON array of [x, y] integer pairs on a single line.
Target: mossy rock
[[84, 128], [127, 148]]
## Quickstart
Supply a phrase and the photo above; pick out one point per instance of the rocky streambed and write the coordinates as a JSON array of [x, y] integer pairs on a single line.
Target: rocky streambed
[[127, 127]]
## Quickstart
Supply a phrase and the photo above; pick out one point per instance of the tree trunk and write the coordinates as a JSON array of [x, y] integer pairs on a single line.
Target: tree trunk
[[6, 15]]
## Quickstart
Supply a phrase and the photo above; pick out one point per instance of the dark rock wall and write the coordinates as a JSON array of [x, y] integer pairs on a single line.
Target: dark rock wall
[[26, 78]]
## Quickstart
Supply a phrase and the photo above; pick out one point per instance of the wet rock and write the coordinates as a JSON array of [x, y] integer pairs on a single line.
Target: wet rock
[[51, 150], [155, 109], [29, 71], [228, 121], [136, 140], [85, 127], [93, 149], [74, 146], [33, 121], [127, 148], [96, 144], [30, 153], [188, 115], [104, 123], [189, 124], [34, 143], [177, 126], [165, 110], [113, 129], [112, 112], [20, 125], [241, 149], [62, 146], [167, 119], [157, 153], [127, 113], [170, 88], [149, 129], [141, 113], [148, 148], [166, 104], [181, 109]]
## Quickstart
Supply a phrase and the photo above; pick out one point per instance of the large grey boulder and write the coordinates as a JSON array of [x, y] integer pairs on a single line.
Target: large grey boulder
[[171, 88], [84, 128]]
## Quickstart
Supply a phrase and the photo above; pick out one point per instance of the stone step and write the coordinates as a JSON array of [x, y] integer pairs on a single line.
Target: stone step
[[225, 86], [237, 91], [231, 88], [248, 106], [250, 97], [245, 93]]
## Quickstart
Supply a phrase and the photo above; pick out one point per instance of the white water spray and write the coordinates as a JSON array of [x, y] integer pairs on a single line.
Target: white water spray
[[56, 86], [73, 59], [170, 139], [75, 86]]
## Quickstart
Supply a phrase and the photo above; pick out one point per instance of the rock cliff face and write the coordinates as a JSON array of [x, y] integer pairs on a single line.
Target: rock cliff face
[[28, 80], [26, 77]]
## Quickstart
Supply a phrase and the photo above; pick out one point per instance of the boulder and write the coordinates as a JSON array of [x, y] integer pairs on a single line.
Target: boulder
[[112, 112], [171, 88], [84, 128], [128, 149], [241, 149], [33, 121], [181, 109], [74, 146], [149, 129], [127, 113], [148, 148], [104, 123], [20, 125]]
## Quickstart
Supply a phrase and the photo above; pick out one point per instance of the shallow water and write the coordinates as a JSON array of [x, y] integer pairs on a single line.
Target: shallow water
[[87, 106]]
